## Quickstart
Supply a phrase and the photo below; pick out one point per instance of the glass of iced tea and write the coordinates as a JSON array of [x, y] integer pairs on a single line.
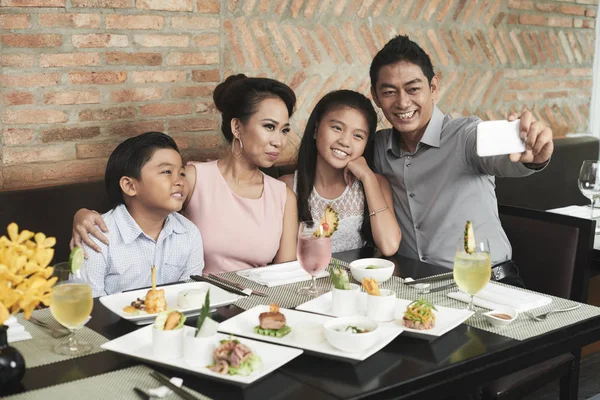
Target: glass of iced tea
[[313, 252], [472, 269], [71, 305]]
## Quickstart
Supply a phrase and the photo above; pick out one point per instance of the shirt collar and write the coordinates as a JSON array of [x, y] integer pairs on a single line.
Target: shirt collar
[[130, 230], [431, 137]]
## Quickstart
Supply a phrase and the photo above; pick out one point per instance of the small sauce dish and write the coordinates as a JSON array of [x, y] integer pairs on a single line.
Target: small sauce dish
[[502, 316]]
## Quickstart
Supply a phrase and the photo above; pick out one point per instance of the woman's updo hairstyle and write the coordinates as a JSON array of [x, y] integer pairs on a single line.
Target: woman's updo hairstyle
[[239, 96]]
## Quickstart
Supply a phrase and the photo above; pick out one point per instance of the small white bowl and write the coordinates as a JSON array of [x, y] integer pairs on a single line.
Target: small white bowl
[[500, 322], [345, 302], [167, 345], [381, 274], [351, 342], [382, 308]]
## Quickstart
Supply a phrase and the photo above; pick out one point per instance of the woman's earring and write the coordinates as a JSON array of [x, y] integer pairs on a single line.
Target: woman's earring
[[236, 154]]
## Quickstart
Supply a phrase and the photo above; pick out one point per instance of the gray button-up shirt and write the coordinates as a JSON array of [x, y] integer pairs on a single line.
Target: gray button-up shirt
[[443, 184]]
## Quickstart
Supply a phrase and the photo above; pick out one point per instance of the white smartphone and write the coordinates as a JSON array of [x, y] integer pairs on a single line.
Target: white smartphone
[[499, 137]]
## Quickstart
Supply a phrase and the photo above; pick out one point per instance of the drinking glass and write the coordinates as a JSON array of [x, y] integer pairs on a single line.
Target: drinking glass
[[314, 254], [589, 182], [71, 305], [472, 271]]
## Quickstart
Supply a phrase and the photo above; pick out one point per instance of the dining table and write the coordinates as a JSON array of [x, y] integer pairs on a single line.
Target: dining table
[[454, 364]]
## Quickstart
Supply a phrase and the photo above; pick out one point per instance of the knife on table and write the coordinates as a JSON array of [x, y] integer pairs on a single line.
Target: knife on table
[[237, 285], [200, 278]]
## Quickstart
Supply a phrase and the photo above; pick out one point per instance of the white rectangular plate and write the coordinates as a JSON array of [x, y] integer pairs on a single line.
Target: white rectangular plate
[[116, 302], [138, 344], [446, 318], [243, 325], [499, 137]]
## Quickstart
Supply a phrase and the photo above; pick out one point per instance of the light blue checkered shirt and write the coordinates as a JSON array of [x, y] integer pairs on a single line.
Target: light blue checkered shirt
[[126, 263]]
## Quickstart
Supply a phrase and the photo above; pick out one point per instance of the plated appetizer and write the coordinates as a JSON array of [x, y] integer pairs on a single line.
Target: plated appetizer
[[419, 315], [371, 286], [235, 358], [339, 276], [272, 323], [153, 303], [167, 335]]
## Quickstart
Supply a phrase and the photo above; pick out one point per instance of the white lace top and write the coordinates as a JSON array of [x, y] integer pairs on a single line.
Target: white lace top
[[349, 206]]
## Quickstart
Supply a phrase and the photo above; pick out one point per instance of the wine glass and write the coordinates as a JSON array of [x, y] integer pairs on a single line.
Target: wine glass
[[71, 305], [589, 182], [472, 271], [314, 253]]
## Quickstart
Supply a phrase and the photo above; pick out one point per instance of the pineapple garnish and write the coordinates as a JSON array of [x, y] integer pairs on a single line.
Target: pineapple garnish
[[328, 224], [469, 238]]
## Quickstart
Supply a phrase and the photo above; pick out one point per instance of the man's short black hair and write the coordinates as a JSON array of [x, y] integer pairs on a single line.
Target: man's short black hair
[[401, 48], [129, 158]]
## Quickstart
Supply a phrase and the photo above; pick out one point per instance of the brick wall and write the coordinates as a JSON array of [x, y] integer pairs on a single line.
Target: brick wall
[[79, 76]]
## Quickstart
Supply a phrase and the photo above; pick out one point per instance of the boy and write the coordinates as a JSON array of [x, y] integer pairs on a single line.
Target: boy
[[145, 183]]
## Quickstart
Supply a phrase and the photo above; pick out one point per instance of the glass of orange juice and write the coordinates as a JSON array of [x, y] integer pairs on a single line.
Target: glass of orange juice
[[71, 305]]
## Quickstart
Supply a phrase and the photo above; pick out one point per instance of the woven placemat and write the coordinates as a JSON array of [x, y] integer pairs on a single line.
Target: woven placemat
[[112, 385], [39, 350], [286, 296]]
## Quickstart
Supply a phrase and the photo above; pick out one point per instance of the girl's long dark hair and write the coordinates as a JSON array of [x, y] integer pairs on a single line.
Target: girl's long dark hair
[[307, 155]]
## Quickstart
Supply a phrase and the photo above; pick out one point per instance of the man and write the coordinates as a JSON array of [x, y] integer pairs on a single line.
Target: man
[[438, 181]]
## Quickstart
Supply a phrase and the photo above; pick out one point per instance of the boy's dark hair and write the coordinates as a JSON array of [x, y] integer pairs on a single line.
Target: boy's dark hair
[[307, 154], [129, 158], [239, 96], [401, 48]]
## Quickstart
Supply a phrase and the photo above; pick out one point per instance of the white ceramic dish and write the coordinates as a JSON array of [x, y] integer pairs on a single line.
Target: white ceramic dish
[[243, 325], [500, 322], [446, 318], [116, 302], [138, 344], [348, 341], [381, 274]]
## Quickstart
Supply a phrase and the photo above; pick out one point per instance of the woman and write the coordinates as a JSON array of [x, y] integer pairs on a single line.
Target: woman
[[247, 218], [332, 171]]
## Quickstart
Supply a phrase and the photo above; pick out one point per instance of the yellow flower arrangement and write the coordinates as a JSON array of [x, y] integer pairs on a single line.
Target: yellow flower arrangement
[[25, 275]]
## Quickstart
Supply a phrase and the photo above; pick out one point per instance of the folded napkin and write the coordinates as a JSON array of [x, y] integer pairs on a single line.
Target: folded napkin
[[279, 274], [494, 296], [16, 332]]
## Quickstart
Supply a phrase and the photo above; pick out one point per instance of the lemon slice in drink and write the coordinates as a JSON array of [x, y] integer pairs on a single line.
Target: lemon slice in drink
[[76, 260]]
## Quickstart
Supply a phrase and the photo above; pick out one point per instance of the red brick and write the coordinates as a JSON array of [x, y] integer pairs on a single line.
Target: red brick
[[183, 142], [18, 60], [44, 116], [121, 58], [207, 140], [29, 80], [171, 5], [162, 40], [163, 110], [14, 21], [102, 3], [67, 134], [132, 22], [572, 9], [137, 94], [195, 23], [73, 97], [69, 60], [101, 40], [158, 76], [590, 12], [97, 78], [520, 4], [512, 19], [192, 91], [206, 75], [206, 108], [577, 23], [87, 21], [34, 3], [560, 21], [107, 114], [528, 19], [32, 41], [588, 23], [95, 150], [128, 129], [198, 58], [26, 155], [45, 174], [17, 98], [192, 124], [17, 137], [209, 6], [206, 40]]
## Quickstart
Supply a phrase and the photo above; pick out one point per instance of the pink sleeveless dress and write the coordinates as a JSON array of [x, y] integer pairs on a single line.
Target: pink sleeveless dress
[[238, 233]]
